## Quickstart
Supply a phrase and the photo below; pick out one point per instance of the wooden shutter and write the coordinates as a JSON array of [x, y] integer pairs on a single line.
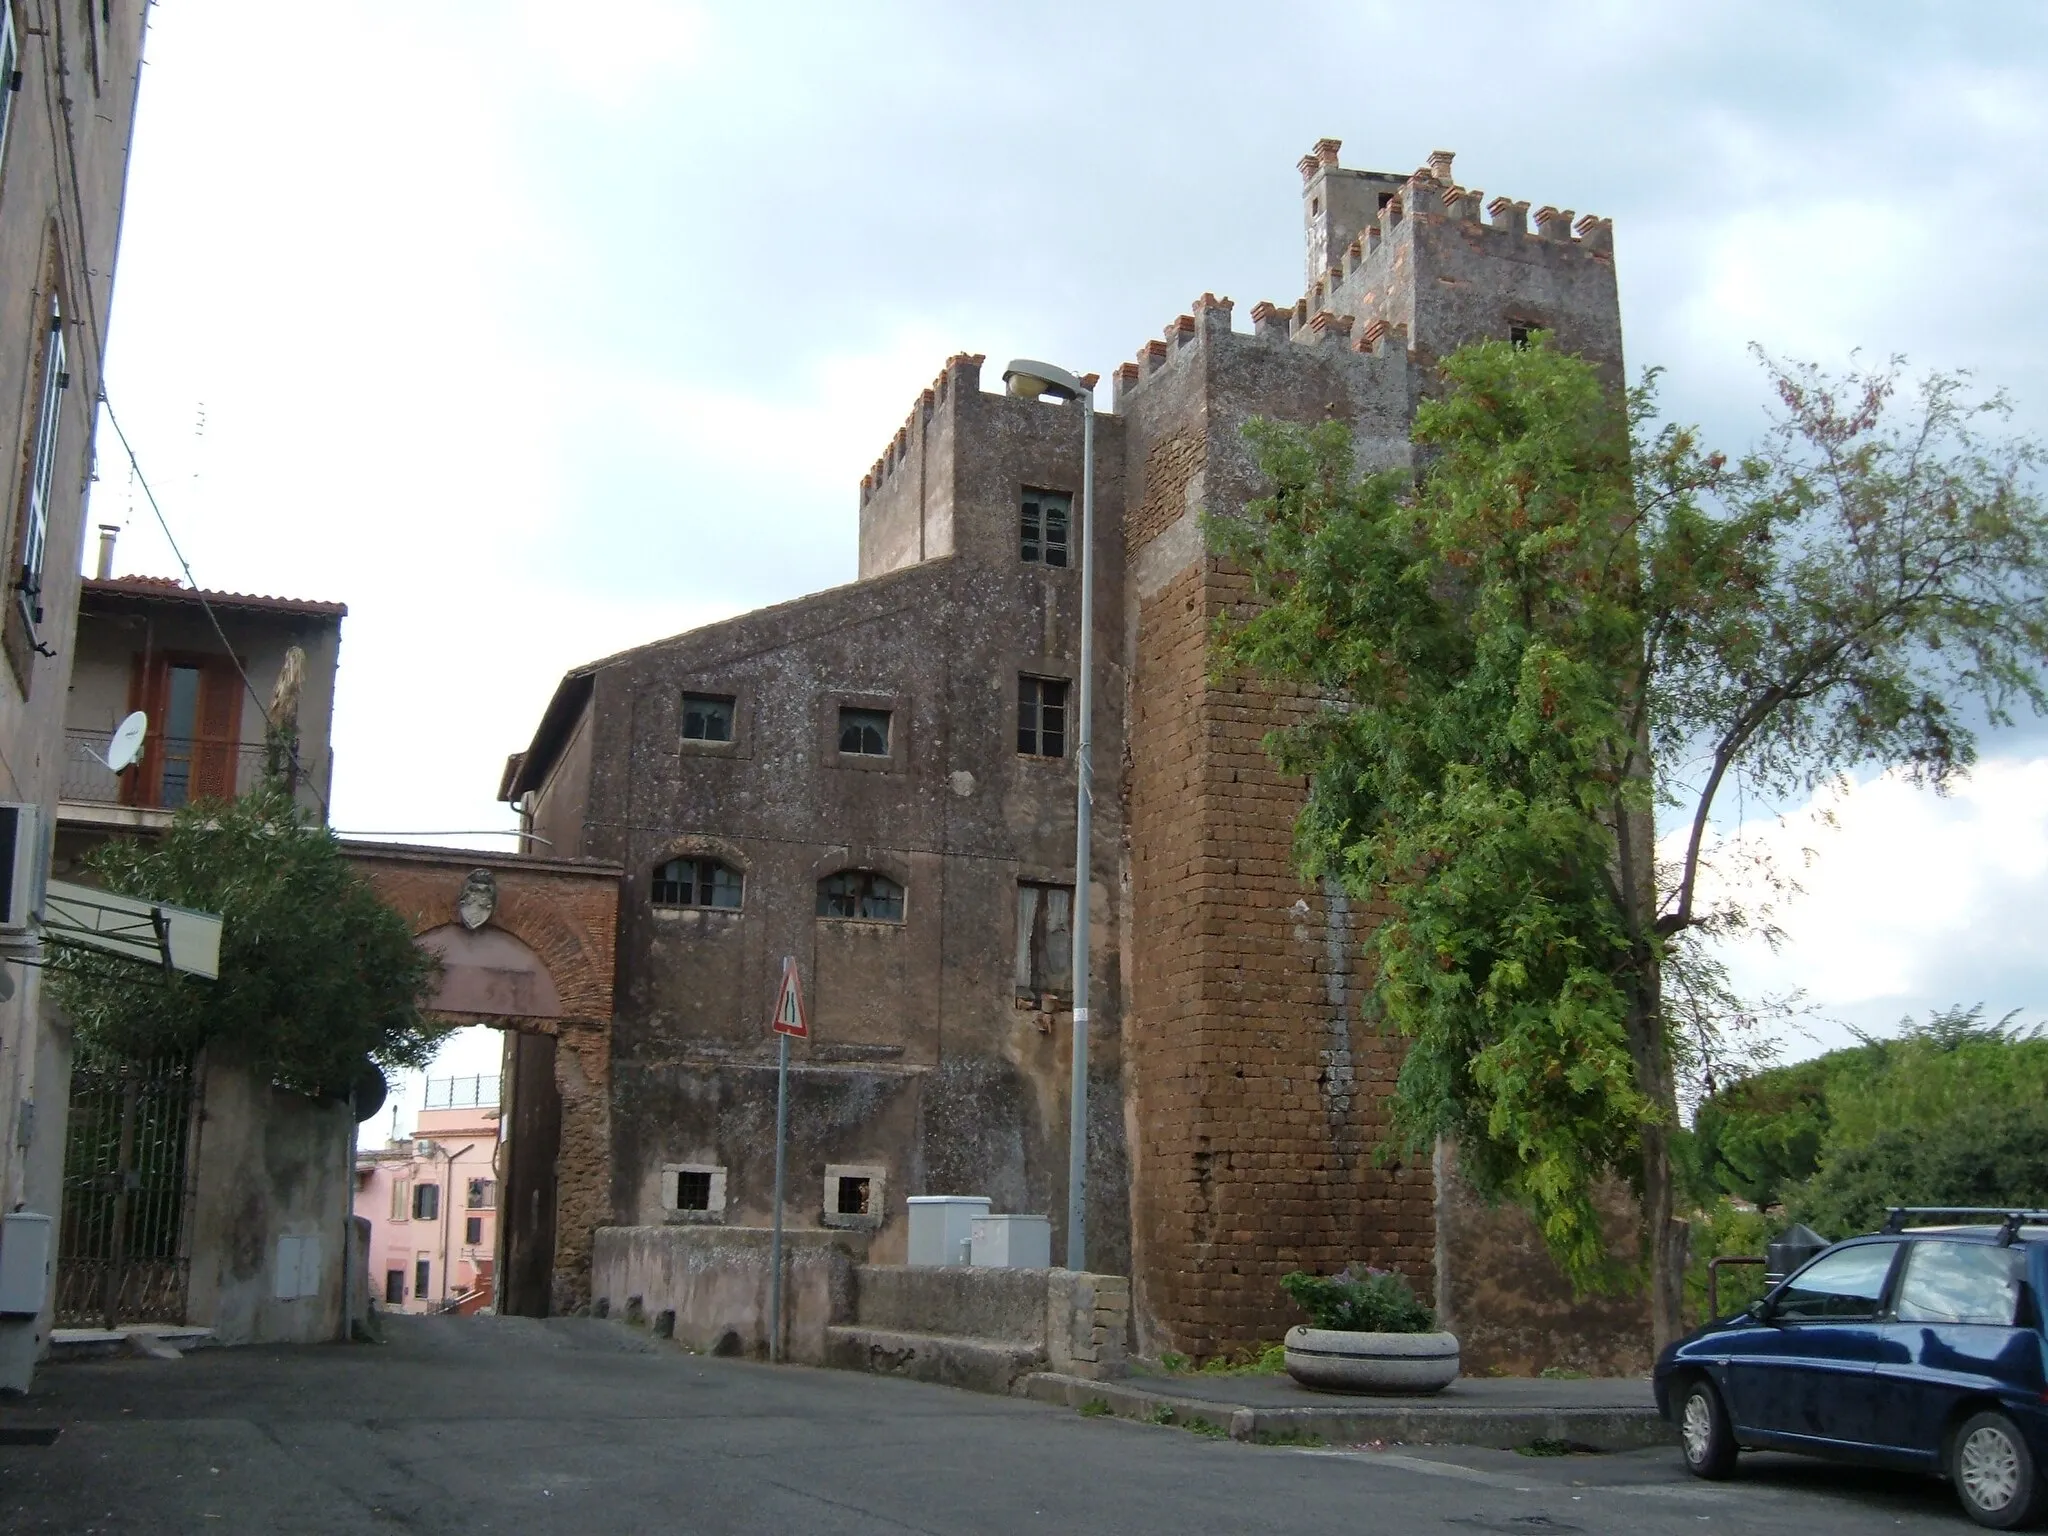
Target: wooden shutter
[[218, 750]]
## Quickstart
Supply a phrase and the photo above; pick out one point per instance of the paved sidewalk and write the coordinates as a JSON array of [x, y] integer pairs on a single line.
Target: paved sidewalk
[[1503, 1412]]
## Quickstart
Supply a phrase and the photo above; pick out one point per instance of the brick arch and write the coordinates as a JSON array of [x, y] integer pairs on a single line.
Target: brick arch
[[699, 846], [872, 859], [563, 913]]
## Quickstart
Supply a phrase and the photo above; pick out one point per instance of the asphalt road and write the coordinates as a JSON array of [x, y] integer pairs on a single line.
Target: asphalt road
[[464, 1425]]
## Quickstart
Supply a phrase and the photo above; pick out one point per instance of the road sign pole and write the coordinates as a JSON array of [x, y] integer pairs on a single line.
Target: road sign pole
[[789, 1020], [775, 1245]]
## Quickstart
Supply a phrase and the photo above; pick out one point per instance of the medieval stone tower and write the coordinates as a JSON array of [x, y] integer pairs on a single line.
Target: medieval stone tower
[[1255, 1091], [875, 782]]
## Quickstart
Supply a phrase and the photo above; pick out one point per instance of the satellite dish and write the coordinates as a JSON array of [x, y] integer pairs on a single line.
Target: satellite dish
[[126, 746]]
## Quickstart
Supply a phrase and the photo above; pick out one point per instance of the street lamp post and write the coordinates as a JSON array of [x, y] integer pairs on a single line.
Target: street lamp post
[[1030, 380]]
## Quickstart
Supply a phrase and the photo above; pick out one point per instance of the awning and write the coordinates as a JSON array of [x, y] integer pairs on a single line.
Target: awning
[[153, 932]]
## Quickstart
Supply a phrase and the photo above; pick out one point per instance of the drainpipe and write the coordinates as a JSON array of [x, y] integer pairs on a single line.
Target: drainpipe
[[447, 1200]]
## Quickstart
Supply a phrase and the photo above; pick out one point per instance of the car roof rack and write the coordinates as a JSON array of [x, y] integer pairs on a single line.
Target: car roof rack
[[2010, 1218]]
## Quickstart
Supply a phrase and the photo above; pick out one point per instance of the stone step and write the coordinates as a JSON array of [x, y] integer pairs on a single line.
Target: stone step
[[978, 1365], [957, 1302]]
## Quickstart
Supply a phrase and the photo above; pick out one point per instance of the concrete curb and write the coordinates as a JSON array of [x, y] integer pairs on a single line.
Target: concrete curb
[[137, 1339], [1352, 1423]]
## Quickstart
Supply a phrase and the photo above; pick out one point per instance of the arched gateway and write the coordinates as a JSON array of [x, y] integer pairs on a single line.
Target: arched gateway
[[527, 944]]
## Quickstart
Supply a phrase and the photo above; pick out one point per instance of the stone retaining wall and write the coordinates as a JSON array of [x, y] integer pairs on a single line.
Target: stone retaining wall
[[982, 1328]]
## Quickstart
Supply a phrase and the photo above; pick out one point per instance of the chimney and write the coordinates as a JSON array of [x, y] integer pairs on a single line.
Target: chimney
[[108, 533]]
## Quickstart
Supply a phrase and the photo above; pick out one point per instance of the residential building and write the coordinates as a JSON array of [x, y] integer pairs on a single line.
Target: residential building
[[431, 1199], [204, 666], [68, 80], [224, 1163], [877, 781]]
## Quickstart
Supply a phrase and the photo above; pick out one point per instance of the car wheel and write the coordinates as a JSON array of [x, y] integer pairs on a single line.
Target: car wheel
[[1994, 1472], [1704, 1433]]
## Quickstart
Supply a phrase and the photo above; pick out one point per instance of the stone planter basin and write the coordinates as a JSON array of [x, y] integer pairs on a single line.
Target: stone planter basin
[[1372, 1362]]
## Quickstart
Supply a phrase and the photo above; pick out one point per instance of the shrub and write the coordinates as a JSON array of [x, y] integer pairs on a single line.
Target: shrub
[[316, 973], [1359, 1300]]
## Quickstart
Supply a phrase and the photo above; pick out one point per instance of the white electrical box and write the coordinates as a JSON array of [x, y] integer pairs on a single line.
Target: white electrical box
[[1011, 1242], [25, 1242], [942, 1227], [23, 864], [298, 1267]]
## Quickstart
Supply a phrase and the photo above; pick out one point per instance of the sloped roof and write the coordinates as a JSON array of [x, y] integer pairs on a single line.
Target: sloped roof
[[168, 589]]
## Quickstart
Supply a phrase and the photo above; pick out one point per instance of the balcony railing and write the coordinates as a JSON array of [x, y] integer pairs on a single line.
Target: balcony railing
[[478, 1090], [180, 770]]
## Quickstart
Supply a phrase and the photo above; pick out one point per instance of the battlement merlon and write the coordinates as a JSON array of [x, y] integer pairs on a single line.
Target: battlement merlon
[[1453, 266], [1338, 204]]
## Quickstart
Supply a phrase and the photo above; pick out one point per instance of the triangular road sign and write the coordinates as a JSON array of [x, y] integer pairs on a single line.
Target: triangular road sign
[[789, 1003]]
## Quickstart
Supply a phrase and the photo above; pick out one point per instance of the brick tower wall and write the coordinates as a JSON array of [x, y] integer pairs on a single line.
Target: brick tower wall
[[1255, 1096], [1255, 1090]]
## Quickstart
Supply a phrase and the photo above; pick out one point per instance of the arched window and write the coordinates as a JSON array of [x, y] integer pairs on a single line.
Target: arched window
[[860, 893], [697, 883]]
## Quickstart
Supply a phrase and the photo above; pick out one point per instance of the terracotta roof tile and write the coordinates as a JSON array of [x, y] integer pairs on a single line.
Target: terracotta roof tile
[[170, 589]]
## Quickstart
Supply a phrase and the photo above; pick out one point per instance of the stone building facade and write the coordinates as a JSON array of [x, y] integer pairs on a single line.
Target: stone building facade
[[1238, 1108], [64, 134]]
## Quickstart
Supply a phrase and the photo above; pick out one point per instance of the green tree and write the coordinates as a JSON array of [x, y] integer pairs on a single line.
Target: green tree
[[1995, 1157], [1568, 620], [1764, 1132], [315, 972], [1773, 1130]]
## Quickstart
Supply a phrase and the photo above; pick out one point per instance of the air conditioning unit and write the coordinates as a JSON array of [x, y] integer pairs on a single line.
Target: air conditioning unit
[[22, 866]]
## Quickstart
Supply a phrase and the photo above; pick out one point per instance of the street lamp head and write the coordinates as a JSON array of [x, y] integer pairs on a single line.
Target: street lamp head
[[1029, 380]]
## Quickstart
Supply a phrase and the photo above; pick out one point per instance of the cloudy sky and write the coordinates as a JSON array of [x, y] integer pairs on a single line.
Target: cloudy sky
[[532, 334]]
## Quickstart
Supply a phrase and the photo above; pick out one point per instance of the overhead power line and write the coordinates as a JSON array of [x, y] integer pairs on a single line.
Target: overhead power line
[[299, 773]]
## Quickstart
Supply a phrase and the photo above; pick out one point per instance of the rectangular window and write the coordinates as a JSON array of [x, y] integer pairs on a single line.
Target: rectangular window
[[473, 1230], [401, 1199], [1042, 527], [420, 1275], [483, 1194], [35, 531], [1045, 941], [854, 1194], [706, 717], [394, 1287], [864, 732], [693, 1191], [426, 1202], [1042, 716]]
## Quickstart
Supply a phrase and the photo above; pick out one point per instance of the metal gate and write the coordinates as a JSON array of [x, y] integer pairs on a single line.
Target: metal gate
[[123, 1253]]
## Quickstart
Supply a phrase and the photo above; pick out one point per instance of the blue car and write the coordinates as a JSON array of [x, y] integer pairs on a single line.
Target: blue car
[[1919, 1348]]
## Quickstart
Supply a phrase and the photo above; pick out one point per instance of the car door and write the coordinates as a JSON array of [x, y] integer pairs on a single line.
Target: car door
[[1952, 1335], [1806, 1378]]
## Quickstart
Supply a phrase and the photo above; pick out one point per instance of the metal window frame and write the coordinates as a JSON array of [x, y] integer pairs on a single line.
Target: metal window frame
[[35, 535], [728, 702]]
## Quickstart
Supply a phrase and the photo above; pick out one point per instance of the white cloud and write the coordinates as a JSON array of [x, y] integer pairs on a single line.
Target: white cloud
[[1909, 901]]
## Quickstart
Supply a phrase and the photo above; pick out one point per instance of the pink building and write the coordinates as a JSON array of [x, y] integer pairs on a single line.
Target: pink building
[[432, 1202]]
